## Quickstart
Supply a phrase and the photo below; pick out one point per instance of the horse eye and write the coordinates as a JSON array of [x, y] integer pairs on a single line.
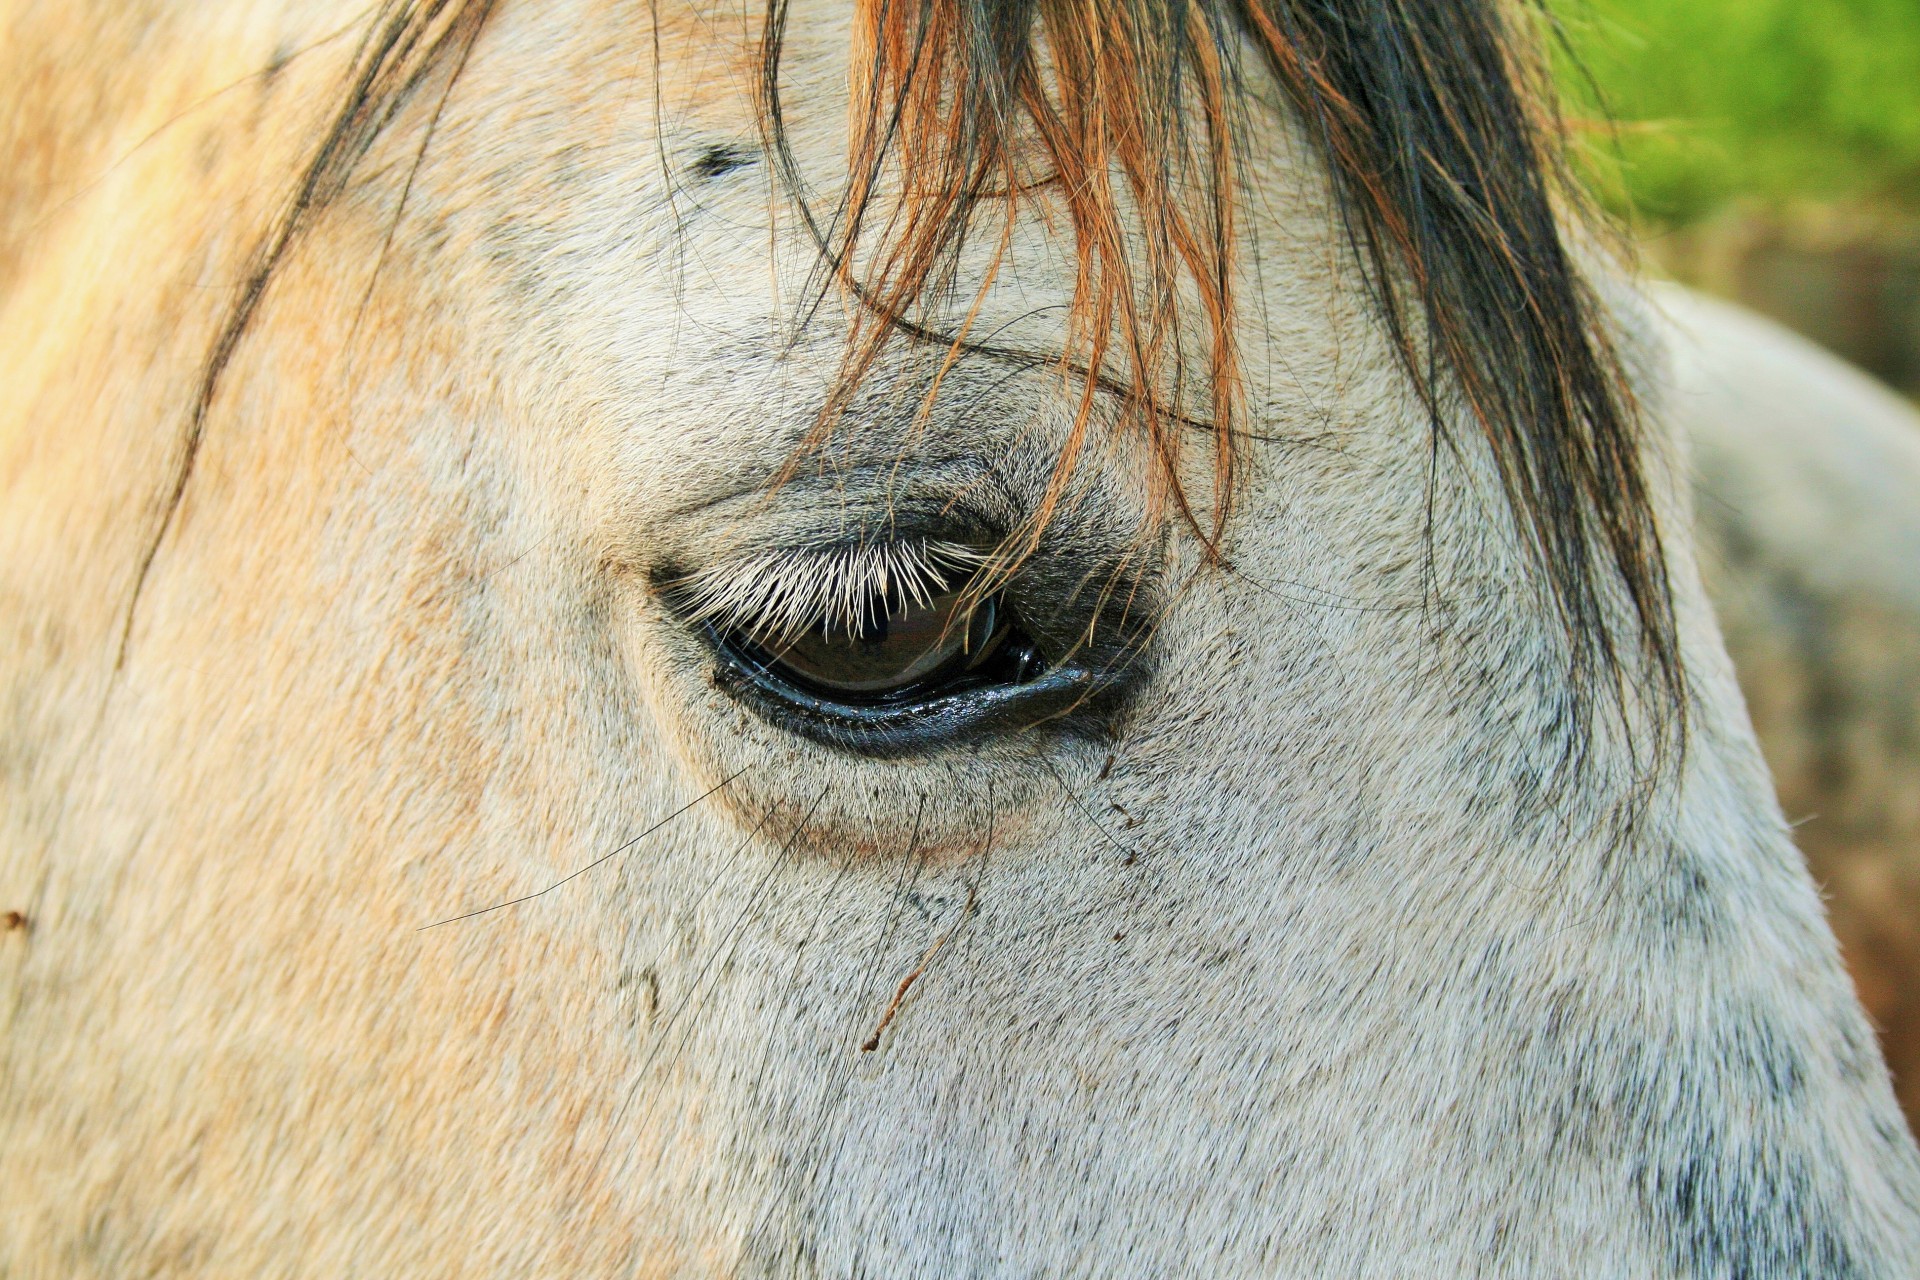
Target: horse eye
[[905, 676], [903, 650]]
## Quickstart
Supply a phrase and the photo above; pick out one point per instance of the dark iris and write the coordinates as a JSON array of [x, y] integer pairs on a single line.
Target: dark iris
[[904, 650]]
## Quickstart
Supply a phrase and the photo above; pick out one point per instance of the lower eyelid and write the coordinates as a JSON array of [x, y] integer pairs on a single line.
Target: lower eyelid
[[892, 731]]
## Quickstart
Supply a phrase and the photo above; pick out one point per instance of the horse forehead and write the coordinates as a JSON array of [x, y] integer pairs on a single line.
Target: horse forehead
[[656, 62], [651, 129]]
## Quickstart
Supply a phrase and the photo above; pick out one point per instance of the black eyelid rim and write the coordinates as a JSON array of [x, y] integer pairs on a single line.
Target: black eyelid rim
[[916, 728]]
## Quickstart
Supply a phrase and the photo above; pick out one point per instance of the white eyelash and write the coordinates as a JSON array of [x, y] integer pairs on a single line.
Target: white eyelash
[[787, 593]]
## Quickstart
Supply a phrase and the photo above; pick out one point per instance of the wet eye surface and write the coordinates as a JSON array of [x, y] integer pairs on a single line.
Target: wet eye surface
[[901, 651], [914, 677]]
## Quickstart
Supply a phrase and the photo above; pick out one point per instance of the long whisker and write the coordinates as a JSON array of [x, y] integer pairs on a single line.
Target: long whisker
[[1085, 812], [837, 1094], [728, 940], [833, 1095], [1326, 598], [827, 898], [501, 906], [906, 983], [902, 886], [986, 861]]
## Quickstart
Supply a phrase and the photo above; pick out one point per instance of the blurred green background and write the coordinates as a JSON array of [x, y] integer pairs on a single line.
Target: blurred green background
[[1767, 150], [1765, 102]]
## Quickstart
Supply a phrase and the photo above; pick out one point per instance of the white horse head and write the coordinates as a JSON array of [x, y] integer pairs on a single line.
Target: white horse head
[[1113, 686]]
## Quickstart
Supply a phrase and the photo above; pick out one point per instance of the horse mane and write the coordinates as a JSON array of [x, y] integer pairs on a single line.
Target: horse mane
[[1437, 123]]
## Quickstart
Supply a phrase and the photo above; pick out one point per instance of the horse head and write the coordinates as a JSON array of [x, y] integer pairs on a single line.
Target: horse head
[[928, 640]]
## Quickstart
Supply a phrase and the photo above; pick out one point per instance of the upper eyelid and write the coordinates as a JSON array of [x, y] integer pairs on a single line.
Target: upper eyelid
[[792, 590]]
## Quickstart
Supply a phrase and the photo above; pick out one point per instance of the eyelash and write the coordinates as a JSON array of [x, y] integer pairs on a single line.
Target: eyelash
[[794, 591]]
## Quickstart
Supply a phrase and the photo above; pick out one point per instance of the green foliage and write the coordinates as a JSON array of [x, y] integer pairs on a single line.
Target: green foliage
[[1767, 102]]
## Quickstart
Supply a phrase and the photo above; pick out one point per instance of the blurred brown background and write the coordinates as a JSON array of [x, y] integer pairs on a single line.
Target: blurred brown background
[[1847, 279]]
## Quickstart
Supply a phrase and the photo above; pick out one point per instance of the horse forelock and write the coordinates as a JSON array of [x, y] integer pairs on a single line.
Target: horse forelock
[[1121, 120]]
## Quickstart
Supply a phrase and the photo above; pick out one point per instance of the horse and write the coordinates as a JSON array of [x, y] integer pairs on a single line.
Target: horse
[[969, 639], [1806, 480]]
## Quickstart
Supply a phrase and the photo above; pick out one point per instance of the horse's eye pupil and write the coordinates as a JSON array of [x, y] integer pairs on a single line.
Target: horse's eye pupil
[[898, 647]]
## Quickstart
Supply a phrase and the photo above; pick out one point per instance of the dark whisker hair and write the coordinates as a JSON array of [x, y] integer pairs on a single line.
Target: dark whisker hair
[[1120, 120]]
